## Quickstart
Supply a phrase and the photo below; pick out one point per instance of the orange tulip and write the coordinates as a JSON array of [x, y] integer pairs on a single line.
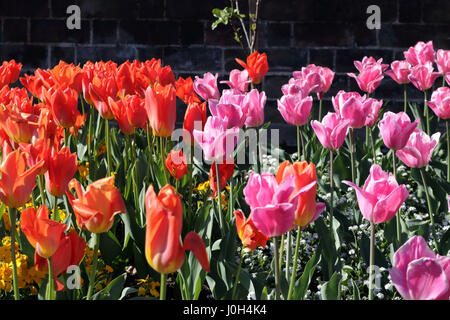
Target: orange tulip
[[63, 104], [304, 174], [226, 171], [62, 165], [96, 207], [67, 75], [17, 183], [250, 236], [9, 72], [130, 113], [195, 115], [99, 90], [163, 249], [185, 91], [41, 79], [160, 104], [19, 126], [40, 150], [176, 164], [43, 234], [256, 66], [69, 253]]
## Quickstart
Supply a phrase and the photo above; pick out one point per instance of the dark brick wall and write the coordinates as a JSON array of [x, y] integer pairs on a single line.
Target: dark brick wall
[[294, 33]]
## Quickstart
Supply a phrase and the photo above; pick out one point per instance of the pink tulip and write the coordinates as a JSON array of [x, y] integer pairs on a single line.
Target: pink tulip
[[374, 110], [421, 53], [216, 141], [238, 80], [206, 87], [418, 149], [422, 76], [254, 103], [396, 128], [273, 205], [440, 102], [295, 109], [381, 196], [230, 108], [318, 78], [447, 78], [420, 274], [332, 131], [443, 61], [369, 78], [368, 62], [352, 106], [400, 71], [297, 87]]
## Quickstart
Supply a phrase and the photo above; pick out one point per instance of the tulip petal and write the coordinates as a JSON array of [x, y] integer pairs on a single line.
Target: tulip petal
[[427, 280], [386, 208], [195, 243], [274, 220], [366, 201]]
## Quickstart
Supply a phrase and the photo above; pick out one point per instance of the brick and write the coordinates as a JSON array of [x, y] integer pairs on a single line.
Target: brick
[[24, 8], [118, 54], [272, 85], [229, 57], [436, 11], [191, 33], [278, 34], [409, 11], [151, 8], [31, 56], [98, 8], [104, 31], [223, 35], [66, 54], [340, 82], [405, 35], [149, 32], [321, 57], [201, 10], [147, 53], [287, 10], [288, 60], [345, 57], [15, 30], [200, 58], [56, 31]]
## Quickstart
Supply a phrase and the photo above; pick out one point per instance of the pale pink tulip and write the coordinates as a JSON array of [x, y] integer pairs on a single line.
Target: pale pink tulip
[[216, 141], [332, 131], [254, 103], [273, 205], [352, 106], [295, 109], [238, 80], [374, 110], [418, 149], [440, 102], [421, 53], [443, 61], [318, 78], [420, 274], [395, 129], [422, 76], [368, 62], [369, 78], [381, 196], [400, 71], [206, 87], [229, 108]]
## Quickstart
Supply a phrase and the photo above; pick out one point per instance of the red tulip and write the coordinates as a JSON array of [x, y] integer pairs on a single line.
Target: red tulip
[[226, 171], [43, 234], [130, 113], [96, 207], [17, 183], [163, 249], [19, 126], [9, 72], [41, 79], [68, 75], [250, 236], [195, 116], [63, 103], [176, 164], [185, 90], [160, 104], [34, 153], [256, 66], [62, 165]]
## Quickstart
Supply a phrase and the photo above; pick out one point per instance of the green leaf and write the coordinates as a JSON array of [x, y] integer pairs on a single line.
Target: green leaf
[[331, 290], [302, 284], [113, 291]]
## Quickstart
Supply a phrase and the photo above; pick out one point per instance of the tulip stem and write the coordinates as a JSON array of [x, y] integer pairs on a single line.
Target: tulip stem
[[89, 146], [427, 115], [41, 188], [373, 146], [55, 209], [219, 200], [108, 147], [66, 137], [163, 157], [163, 287], [288, 253], [405, 101], [277, 269], [371, 259], [397, 216], [94, 266], [294, 266], [352, 151], [433, 231], [332, 194], [300, 139], [12, 212], [238, 272], [281, 250], [258, 150], [320, 110], [191, 186], [448, 149], [49, 294], [134, 171], [150, 152]]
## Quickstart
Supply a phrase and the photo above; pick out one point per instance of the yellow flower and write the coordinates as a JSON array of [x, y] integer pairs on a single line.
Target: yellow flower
[[83, 170], [202, 187], [141, 291]]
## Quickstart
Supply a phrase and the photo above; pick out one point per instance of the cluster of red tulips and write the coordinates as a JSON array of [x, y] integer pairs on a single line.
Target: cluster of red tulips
[[43, 138]]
